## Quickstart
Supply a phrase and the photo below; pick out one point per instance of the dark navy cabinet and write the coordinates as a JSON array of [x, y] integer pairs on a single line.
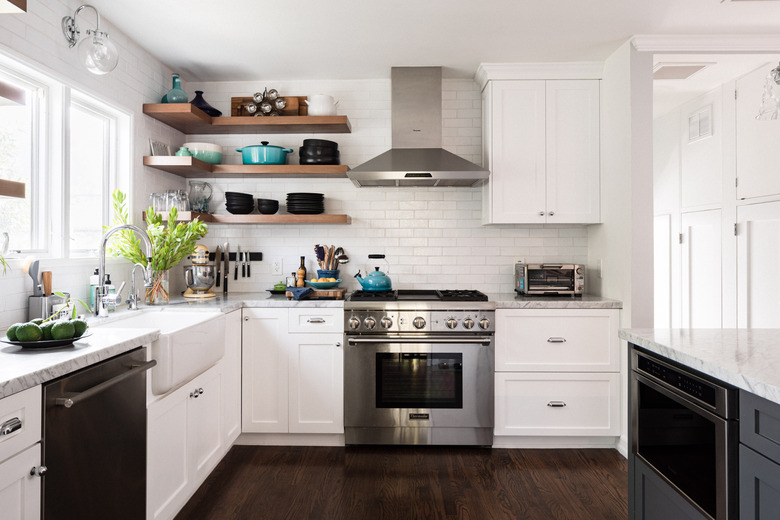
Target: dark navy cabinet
[[655, 499], [759, 458]]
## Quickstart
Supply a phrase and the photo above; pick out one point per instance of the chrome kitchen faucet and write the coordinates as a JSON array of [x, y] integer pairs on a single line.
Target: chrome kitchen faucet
[[102, 298]]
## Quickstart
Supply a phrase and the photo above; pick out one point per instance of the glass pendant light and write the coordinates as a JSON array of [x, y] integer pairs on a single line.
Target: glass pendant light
[[97, 53]]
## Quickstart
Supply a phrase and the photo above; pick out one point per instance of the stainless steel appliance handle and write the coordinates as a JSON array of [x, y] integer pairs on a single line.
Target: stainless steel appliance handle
[[69, 400], [424, 339], [10, 426]]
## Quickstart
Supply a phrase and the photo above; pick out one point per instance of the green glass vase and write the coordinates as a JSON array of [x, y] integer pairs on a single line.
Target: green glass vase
[[176, 94]]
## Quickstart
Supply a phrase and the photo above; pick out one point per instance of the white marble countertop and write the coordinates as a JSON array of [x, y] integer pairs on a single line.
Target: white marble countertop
[[586, 301], [22, 368], [745, 358]]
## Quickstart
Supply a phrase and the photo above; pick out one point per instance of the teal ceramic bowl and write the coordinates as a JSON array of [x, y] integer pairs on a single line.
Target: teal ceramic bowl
[[324, 285], [206, 156], [206, 152]]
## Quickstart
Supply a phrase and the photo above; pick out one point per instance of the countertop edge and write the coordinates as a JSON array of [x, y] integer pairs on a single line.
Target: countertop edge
[[738, 368]]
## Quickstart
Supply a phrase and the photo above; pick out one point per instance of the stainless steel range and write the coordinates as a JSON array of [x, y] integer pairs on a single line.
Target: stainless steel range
[[418, 368]]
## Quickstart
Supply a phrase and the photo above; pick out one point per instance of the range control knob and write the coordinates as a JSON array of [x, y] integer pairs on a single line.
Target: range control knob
[[579, 270], [468, 323], [451, 323], [484, 323], [369, 322], [418, 322], [353, 323], [386, 322]]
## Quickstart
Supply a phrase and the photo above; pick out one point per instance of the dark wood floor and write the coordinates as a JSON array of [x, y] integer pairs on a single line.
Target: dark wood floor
[[389, 483]]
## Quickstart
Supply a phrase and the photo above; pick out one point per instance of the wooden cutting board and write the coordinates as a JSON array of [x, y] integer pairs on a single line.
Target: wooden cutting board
[[330, 294]]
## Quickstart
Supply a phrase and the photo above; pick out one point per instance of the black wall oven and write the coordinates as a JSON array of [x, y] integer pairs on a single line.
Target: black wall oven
[[684, 428]]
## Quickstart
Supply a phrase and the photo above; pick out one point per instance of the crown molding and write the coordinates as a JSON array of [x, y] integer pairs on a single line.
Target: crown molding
[[559, 70], [723, 43]]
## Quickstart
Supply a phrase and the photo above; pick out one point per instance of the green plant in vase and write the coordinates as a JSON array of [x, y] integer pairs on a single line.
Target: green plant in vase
[[171, 243]]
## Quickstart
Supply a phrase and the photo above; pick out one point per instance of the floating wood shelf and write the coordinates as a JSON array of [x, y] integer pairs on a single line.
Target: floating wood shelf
[[190, 167], [187, 216], [14, 189], [192, 120]]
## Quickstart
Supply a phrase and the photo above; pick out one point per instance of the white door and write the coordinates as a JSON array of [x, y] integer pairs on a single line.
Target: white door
[[758, 265], [20, 492], [316, 383], [701, 269], [573, 164], [517, 181], [204, 433], [758, 156], [264, 371], [662, 267], [231, 379]]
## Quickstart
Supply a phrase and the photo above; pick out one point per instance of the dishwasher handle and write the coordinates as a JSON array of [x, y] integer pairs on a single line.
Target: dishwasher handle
[[69, 400]]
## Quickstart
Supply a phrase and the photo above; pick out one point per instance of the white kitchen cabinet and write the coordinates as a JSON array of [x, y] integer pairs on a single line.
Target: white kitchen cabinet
[[557, 373], [559, 404], [264, 371], [20, 492], [231, 379], [758, 258], [541, 146], [293, 371], [701, 269], [184, 442], [20, 451]]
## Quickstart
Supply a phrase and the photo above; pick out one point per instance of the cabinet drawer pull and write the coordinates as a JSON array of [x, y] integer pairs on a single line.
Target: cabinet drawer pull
[[556, 404], [556, 340], [10, 426], [315, 320]]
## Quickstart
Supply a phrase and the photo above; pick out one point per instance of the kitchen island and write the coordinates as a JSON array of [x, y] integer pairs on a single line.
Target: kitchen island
[[714, 396]]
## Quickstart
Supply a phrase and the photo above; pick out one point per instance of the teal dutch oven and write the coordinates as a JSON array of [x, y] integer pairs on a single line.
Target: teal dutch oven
[[264, 154]]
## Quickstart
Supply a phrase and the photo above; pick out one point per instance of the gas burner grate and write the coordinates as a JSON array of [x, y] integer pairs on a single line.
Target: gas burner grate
[[462, 296], [374, 296]]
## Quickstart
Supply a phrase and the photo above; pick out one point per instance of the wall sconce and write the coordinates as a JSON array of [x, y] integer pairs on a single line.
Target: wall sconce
[[97, 53], [770, 104]]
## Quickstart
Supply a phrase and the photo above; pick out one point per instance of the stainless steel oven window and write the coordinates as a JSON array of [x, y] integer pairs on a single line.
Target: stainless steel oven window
[[419, 380], [551, 278]]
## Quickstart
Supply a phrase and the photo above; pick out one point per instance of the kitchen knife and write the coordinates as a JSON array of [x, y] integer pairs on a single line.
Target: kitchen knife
[[226, 266], [218, 262], [248, 264], [243, 265], [238, 259]]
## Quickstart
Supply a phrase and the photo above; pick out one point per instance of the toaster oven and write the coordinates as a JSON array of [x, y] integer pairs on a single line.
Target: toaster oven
[[549, 279]]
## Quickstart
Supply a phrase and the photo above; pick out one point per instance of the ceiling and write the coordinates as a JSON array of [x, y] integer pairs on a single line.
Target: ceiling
[[361, 39]]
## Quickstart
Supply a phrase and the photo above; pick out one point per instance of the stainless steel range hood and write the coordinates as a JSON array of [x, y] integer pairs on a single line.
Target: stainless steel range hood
[[417, 158]]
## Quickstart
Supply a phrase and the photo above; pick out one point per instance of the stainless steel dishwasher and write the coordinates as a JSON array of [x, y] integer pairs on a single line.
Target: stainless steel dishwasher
[[94, 441]]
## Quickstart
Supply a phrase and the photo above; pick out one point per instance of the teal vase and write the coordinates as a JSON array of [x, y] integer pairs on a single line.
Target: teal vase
[[176, 94]]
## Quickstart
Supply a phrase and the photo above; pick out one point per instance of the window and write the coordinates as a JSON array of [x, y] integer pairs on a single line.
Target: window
[[20, 143], [68, 188]]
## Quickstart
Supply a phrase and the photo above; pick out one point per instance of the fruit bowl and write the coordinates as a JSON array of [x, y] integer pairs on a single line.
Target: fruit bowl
[[46, 343], [324, 285]]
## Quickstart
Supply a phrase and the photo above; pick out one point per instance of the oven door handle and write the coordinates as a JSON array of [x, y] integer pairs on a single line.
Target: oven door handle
[[422, 339]]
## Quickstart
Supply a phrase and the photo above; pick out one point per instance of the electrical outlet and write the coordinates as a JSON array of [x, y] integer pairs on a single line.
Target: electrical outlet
[[276, 266]]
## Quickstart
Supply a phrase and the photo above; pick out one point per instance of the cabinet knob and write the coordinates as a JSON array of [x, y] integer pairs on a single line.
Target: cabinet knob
[[246, 318], [551, 213], [196, 393], [38, 471], [541, 213], [338, 344]]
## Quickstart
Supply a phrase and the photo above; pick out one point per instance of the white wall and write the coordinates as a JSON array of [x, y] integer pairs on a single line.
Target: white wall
[[432, 237], [35, 39]]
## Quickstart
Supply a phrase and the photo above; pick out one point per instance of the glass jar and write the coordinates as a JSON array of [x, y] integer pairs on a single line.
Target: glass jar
[[158, 293]]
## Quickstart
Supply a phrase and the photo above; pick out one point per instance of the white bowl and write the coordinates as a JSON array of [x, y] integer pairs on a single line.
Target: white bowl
[[206, 147]]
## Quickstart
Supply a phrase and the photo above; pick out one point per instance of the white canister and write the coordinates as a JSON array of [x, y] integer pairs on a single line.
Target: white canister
[[321, 105]]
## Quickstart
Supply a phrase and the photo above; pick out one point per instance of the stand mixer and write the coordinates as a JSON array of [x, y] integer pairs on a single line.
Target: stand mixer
[[200, 276]]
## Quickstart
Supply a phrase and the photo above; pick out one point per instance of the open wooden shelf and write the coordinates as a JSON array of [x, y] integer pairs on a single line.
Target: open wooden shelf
[[16, 189], [187, 216], [192, 120], [190, 167]]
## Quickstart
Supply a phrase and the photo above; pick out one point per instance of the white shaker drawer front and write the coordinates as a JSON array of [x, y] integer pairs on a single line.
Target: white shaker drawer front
[[316, 320], [20, 421], [557, 340], [586, 404]]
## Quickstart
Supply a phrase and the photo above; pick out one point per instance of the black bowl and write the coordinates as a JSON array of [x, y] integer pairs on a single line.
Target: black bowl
[[320, 142], [317, 151], [236, 195], [267, 208], [319, 160], [241, 211]]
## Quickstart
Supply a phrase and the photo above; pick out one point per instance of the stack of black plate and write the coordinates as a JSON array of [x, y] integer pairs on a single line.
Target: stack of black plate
[[305, 203], [239, 203], [319, 151]]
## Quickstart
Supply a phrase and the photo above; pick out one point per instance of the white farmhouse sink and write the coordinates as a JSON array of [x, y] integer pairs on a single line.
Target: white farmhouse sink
[[189, 343]]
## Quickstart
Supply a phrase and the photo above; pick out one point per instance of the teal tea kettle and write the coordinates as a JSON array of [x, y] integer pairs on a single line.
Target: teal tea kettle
[[375, 281]]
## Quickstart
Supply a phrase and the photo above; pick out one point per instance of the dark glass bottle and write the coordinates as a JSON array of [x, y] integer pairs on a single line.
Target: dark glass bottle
[[199, 102], [301, 273]]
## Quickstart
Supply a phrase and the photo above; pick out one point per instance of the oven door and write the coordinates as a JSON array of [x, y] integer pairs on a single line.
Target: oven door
[[418, 390], [687, 445]]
